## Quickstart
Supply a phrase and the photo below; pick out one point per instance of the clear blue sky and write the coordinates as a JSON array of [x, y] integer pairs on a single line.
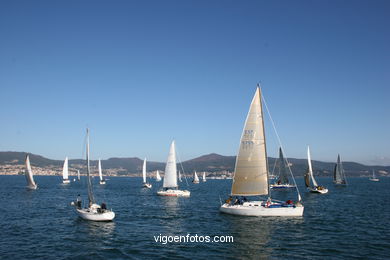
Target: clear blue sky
[[140, 73]]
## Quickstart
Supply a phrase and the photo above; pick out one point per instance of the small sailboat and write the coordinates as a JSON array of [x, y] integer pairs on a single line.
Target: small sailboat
[[29, 175], [282, 182], [170, 187], [373, 178], [204, 177], [78, 175], [339, 174], [65, 172], [251, 172], [196, 178], [144, 183], [101, 179], [315, 188], [158, 177], [180, 177], [93, 212]]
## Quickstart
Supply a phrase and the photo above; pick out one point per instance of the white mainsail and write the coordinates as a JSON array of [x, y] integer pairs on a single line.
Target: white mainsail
[[29, 174], [310, 168], [170, 178], [158, 177], [251, 174], [204, 177], [65, 170], [100, 170], [144, 171], [179, 176], [78, 174]]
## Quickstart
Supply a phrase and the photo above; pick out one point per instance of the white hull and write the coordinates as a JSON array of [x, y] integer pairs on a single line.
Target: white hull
[[102, 182], [32, 187], [258, 208], [174, 193], [93, 214], [315, 190], [147, 185], [65, 181], [282, 186], [374, 179], [195, 182]]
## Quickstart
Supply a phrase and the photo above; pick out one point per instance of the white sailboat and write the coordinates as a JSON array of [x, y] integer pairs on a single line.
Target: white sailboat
[[180, 177], [204, 177], [144, 183], [196, 178], [282, 181], [65, 172], [158, 177], [102, 180], [93, 212], [373, 178], [78, 175], [251, 172], [29, 175], [170, 187], [315, 188], [339, 174]]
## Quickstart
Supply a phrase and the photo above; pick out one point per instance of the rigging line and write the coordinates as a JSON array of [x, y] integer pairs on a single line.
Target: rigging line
[[178, 157], [280, 144]]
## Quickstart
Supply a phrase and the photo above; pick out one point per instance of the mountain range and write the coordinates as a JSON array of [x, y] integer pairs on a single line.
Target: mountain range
[[209, 163]]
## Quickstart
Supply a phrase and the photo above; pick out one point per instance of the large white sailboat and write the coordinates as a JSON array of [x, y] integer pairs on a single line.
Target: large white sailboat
[[93, 212], [339, 174], [29, 175], [158, 177], [170, 187], [65, 172], [251, 172], [196, 178], [315, 188], [101, 179], [144, 183]]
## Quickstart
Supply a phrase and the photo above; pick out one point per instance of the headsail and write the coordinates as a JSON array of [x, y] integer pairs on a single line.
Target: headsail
[[65, 170], [90, 191], [251, 169], [170, 177], [29, 174], [144, 171]]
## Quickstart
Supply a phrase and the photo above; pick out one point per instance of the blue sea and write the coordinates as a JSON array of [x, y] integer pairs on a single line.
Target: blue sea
[[350, 222]]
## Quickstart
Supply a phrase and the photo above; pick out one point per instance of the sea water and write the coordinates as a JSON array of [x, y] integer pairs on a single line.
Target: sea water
[[348, 222]]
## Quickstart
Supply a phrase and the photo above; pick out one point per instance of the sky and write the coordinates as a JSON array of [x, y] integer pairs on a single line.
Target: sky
[[142, 73]]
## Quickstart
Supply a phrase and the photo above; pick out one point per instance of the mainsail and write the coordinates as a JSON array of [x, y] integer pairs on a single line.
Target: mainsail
[[158, 177], [144, 171], [78, 174], [65, 174], [196, 178], [170, 178], [339, 175], [283, 175], [310, 168], [29, 174], [90, 192], [251, 169]]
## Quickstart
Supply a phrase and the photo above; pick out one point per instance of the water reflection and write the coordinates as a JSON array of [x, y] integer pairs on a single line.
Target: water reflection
[[95, 229]]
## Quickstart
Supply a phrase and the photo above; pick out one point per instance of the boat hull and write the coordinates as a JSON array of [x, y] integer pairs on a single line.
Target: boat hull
[[174, 193], [147, 185], [65, 181], [93, 215], [281, 186], [102, 182], [32, 187], [258, 208], [375, 179], [321, 191]]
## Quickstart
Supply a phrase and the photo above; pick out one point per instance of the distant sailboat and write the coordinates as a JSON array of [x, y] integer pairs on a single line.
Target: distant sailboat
[[196, 178], [144, 183], [180, 177], [158, 177], [93, 212], [170, 178], [373, 178], [102, 180], [204, 177], [78, 175], [315, 188], [29, 175], [339, 174], [251, 172], [65, 172], [282, 181]]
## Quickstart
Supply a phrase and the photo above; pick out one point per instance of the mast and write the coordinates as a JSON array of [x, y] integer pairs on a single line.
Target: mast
[[90, 192]]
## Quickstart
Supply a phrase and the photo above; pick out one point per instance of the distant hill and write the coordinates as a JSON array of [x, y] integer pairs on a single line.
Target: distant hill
[[210, 163]]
